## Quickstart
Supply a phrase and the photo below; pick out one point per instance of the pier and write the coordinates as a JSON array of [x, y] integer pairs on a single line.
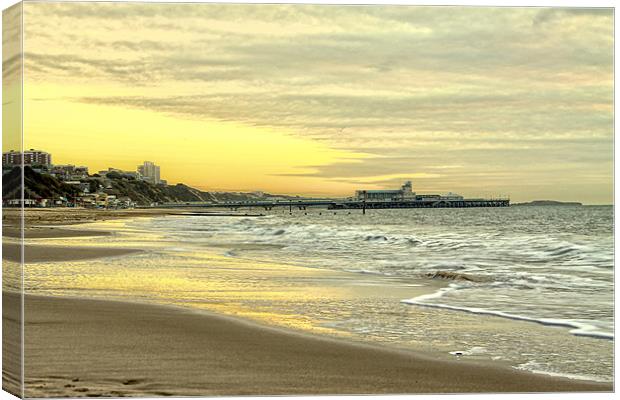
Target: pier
[[348, 204], [403, 197]]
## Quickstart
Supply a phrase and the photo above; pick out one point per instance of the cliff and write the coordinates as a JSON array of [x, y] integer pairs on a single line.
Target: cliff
[[39, 185]]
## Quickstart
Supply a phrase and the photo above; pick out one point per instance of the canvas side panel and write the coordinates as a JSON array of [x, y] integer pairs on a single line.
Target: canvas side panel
[[12, 201]]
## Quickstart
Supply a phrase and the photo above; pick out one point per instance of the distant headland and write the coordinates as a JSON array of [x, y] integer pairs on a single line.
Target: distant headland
[[548, 203]]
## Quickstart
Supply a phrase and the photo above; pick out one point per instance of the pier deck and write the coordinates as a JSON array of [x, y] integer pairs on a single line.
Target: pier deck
[[465, 203]]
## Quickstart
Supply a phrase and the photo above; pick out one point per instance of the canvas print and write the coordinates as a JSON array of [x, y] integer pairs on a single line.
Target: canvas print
[[294, 199]]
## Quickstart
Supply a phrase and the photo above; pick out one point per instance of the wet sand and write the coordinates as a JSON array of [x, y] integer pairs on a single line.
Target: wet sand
[[80, 347], [41, 253], [36, 253], [42, 232]]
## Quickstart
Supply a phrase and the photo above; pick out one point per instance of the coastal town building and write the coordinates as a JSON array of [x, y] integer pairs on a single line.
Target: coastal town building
[[150, 172], [126, 174], [30, 157], [81, 189], [69, 172], [21, 203]]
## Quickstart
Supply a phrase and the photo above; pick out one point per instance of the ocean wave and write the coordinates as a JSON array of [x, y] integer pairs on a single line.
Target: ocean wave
[[375, 237], [453, 276]]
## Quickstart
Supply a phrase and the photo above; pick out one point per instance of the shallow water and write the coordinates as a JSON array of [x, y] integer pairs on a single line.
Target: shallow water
[[536, 287]]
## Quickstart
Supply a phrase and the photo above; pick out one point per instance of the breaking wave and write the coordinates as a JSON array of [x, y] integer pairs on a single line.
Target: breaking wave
[[550, 267]]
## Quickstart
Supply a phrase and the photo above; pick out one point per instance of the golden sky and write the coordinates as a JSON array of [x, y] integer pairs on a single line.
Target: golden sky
[[321, 100]]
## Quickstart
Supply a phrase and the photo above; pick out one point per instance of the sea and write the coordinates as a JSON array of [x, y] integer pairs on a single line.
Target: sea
[[528, 287]]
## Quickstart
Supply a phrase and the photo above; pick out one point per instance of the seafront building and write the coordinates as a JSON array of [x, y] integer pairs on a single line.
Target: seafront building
[[150, 172], [30, 157]]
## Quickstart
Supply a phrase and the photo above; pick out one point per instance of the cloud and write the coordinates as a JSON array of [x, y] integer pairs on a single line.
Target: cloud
[[443, 115], [11, 45], [547, 15], [410, 87]]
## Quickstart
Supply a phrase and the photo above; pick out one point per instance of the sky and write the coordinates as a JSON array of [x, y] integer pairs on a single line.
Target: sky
[[324, 100]]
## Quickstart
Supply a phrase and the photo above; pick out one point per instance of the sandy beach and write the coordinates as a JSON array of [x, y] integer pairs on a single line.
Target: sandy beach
[[77, 347], [83, 347]]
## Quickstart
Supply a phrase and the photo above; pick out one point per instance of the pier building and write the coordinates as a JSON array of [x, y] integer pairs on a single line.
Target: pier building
[[405, 192]]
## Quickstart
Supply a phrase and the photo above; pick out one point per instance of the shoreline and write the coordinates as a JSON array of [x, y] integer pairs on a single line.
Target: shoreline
[[82, 347], [36, 217]]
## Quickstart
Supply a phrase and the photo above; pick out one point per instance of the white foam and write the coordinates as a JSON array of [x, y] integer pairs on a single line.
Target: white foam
[[365, 271], [578, 328], [535, 367]]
